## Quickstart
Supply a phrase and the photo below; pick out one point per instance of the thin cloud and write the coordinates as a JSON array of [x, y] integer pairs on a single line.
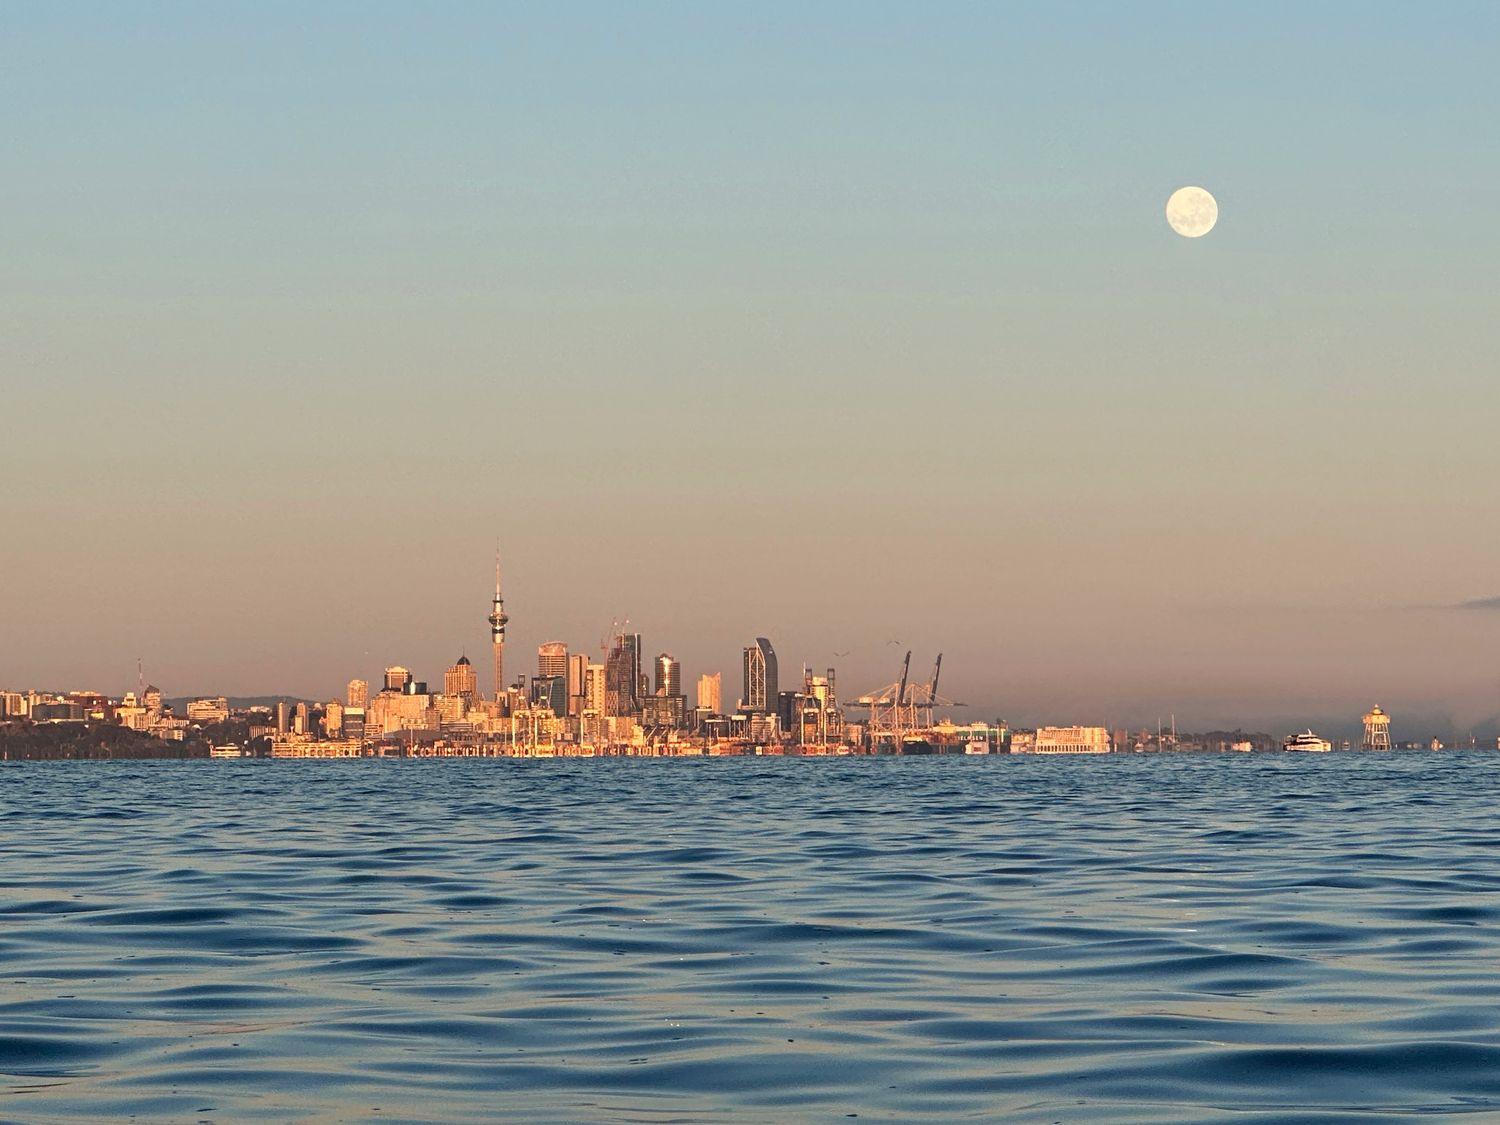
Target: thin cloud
[[1475, 603], [1479, 603]]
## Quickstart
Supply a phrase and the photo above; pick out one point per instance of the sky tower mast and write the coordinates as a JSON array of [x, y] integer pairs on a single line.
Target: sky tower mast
[[498, 622]]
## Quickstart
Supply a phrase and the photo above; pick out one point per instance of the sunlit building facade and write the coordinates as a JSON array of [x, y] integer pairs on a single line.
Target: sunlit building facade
[[552, 659], [761, 689], [462, 681], [668, 675], [1070, 740], [622, 676]]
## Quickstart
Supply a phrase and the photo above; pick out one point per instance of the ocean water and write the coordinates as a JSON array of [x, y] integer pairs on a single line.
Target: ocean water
[[1233, 938]]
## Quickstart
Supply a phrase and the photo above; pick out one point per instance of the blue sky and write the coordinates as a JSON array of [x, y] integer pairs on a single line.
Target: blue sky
[[831, 322]]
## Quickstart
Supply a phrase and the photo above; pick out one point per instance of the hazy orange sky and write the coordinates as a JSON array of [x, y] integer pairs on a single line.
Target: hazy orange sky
[[840, 323]]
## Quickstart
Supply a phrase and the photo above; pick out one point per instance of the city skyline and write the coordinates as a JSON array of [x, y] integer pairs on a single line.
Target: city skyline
[[835, 329], [1281, 713]]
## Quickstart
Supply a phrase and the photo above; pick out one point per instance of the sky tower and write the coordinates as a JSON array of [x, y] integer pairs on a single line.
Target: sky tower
[[497, 634]]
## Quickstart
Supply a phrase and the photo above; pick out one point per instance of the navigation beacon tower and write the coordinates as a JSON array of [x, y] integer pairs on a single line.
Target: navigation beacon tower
[[498, 622], [1377, 730]]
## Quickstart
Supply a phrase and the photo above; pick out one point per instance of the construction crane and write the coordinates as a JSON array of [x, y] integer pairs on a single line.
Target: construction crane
[[903, 707], [609, 638]]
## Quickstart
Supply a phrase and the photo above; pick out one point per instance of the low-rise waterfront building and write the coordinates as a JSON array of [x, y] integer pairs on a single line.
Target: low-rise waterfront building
[[1071, 740]]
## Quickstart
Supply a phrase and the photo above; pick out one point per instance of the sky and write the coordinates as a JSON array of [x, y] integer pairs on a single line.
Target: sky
[[854, 325]]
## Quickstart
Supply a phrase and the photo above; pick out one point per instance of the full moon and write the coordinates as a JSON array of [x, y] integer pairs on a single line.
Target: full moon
[[1192, 212]]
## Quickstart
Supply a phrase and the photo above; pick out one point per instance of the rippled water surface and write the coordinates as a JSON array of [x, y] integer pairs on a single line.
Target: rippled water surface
[[1237, 938]]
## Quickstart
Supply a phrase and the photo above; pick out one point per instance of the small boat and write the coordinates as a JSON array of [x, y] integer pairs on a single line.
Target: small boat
[[977, 746], [1307, 742]]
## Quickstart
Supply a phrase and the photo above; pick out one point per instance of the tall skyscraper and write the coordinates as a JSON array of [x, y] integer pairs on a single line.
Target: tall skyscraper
[[461, 680], [552, 660], [498, 621], [396, 678], [622, 676], [359, 694], [578, 665], [668, 675], [760, 677], [595, 693], [711, 693]]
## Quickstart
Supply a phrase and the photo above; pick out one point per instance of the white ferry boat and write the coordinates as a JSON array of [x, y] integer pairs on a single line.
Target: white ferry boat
[[1307, 742]]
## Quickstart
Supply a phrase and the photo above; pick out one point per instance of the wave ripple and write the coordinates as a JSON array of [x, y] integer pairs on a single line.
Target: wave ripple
[[1243, 939]]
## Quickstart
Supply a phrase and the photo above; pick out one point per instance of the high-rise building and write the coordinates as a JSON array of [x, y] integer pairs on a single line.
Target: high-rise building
[[711, 693], [595, 692], [498, 621], [668, 675], [283, 717], [760, 678], [300, 720], [552, 659], [622, 676], [333, 719], [396, 678], [359, 694], [462, 681], [578, 670], [550, 692]]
